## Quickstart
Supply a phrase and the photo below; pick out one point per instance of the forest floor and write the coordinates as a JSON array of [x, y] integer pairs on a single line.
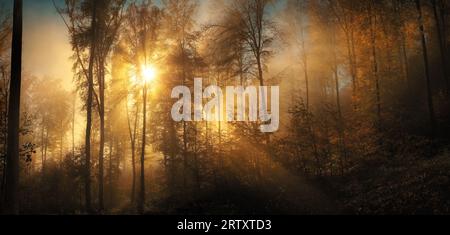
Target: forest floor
[[282, 193], [411, 181], [408, 183], [403, 183]]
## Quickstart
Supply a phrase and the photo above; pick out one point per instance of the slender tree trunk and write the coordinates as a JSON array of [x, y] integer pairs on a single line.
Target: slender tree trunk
[[196, 163], [101, 165], [355, 59], [405, 59], [427, 70], [341, 144], [264, 97], [219, 147], [304, 57], [44, 162], [133, 134], [5, 135], [373, 23], [12, 167], [133, 162], [403, 48], [42, 146], [441, 45], [305, 70], [185, 150], [352, 60], [101, 82], [90, 79], [141, 203], [444, 17], [61, 142], [110, 174], [73, 124], [241, 68], [260, 70]]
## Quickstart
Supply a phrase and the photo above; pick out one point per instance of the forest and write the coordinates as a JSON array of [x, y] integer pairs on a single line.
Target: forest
[[364, 107]]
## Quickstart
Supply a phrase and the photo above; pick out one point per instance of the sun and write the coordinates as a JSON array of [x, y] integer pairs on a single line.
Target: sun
[[149, 73]]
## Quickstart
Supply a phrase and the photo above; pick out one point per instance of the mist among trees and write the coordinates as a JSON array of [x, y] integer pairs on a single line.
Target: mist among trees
[[364, 96]]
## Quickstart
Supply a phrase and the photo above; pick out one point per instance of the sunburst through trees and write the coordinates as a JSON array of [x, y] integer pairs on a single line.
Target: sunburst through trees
[[362, 87]]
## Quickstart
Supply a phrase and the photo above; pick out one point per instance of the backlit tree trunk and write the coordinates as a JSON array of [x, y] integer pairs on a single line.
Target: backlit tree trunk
[[89, 102], [141, 203], [12, 167]]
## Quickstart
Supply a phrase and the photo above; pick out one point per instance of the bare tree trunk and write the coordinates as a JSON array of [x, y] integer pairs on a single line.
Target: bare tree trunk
[[133, 134], [185, 150], [42, 146], [304, 62], [403, 49], [73, 124], [427, 70], [12, 167], [5, 134], [373, 35], [219, 150], [355, 60], [345, 22], [304, 55], [341, 142], [141, 203], [196, 163], [44, 161], [351, 63], [133, 161], [110, 174], [444, 17], [101, 83], [89, 102], [441, 45], [61, 146], [405, 59]]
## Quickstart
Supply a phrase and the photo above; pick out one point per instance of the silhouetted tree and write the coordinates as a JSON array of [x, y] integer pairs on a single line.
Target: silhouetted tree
[[12, 160]]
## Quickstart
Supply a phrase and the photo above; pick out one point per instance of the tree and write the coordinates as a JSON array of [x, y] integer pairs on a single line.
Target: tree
[[300, 9], [427, 69], [109, 21], [179, 24], [373, 19], [51, 111], [5, 45], [12, 161], [258, 30], [439, 19], [139, 51], [133, 134], [82, 26], [89, 102], [345, 13]]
